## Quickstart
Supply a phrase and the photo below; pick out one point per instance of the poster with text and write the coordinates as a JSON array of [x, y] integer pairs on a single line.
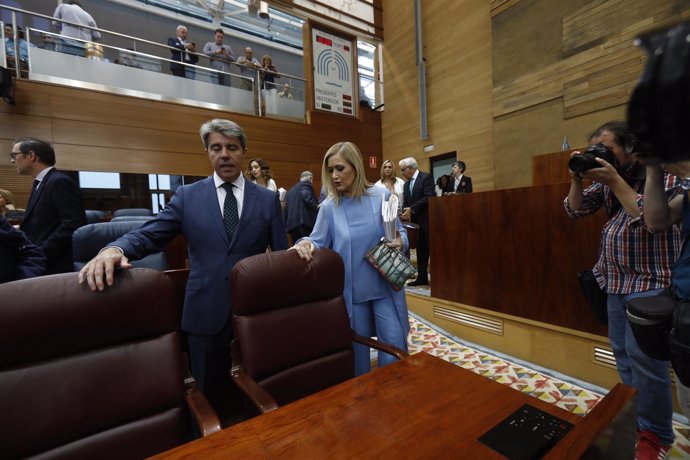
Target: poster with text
[[333, 75]]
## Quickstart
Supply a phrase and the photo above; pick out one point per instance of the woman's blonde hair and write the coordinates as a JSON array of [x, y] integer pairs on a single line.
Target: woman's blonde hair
[[7, 195], [351, 154], [393, 176]]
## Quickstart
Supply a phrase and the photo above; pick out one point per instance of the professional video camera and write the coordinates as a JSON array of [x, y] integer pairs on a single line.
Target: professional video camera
[[586, 160], [659, 109]]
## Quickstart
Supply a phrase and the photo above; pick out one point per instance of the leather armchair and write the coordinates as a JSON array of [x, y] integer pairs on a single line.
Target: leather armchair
[[124, 218], [94, 374], [94, 216], [91, 238], [292, 331], [132, 212]]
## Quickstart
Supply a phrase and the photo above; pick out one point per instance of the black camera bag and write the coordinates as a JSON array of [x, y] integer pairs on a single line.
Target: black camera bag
[[594, 295], [651, 321]]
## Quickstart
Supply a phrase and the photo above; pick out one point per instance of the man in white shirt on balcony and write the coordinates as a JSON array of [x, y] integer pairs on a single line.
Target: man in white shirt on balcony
[[72, 12]]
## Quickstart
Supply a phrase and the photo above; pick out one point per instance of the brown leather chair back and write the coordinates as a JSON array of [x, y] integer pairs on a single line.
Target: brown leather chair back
[[291, 322], [90, 374]]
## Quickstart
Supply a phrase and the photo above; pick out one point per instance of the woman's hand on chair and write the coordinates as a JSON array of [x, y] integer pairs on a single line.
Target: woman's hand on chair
[[305, 249]]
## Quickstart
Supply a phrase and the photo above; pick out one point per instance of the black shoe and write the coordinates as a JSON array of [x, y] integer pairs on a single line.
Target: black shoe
[[418, 282]]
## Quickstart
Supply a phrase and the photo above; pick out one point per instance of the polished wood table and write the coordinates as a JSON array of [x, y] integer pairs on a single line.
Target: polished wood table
[[420, 407]]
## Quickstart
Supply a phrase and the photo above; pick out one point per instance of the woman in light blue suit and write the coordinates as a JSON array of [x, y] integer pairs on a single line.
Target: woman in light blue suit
[[350, 223]]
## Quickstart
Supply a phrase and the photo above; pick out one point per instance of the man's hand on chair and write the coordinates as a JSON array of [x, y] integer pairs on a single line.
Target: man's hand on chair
[[103, 264]]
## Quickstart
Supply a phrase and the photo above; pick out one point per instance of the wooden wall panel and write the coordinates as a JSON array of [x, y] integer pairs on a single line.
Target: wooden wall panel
[[457, 48], [588, 85], [20, 186], [520, 254], [105, 132], [549, 168]]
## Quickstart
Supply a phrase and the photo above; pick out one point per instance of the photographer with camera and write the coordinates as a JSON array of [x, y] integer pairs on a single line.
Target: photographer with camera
[[633, 262], [660, 214], [221, 56]]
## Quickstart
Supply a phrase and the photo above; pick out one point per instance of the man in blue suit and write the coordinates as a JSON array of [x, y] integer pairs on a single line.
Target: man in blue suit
[[221, 228]]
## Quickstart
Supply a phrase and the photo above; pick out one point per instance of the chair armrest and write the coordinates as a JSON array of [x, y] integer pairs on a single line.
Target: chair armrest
[[259, 397], [390, 349], [206, 418]]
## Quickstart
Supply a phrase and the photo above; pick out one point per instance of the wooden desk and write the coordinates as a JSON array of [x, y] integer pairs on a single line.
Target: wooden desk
[[420, 407]]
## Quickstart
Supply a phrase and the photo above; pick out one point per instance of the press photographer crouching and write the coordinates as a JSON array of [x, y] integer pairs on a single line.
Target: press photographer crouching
[[633, 262]]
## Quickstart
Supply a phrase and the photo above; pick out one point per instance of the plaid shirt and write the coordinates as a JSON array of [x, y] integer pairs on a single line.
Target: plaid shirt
[[631, 258]]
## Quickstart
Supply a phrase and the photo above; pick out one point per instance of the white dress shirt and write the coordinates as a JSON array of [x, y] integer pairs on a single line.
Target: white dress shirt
[[237, 190]]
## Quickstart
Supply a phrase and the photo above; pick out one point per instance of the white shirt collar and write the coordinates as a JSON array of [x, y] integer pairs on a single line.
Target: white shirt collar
[[40, 176], [239, 182]]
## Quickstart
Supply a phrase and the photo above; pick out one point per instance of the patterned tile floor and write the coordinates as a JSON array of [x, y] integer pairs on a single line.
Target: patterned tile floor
[[548, 388]]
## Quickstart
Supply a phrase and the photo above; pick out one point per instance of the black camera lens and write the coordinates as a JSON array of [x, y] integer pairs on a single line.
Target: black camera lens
[[587, 160]]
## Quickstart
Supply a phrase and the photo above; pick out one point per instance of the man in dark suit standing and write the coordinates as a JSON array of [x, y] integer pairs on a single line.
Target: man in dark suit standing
[[180, 56], [301, 207], [460, 182], [55, 208], [416, 193], [224, 219]]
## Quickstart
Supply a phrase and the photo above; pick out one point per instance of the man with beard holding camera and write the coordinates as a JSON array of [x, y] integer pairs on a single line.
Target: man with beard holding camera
[[633, 262]]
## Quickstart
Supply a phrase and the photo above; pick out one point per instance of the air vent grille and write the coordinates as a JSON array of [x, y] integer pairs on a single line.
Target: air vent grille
[[484, 323], [603, 356]]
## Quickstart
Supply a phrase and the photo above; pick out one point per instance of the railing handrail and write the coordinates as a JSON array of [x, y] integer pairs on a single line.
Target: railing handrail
[[128, 37], [124, 49]]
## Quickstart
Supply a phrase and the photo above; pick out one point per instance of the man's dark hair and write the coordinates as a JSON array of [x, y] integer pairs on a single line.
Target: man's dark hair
[[74, 2], [461, 165], [43, 150], [622, 134], [219, 30]]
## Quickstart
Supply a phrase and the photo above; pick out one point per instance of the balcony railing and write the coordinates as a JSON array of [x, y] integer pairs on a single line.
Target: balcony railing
[[122, 64]]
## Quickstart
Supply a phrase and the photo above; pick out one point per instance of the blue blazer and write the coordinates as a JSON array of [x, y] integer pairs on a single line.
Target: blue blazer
[[55, 213], [332, 231], [194, 212]]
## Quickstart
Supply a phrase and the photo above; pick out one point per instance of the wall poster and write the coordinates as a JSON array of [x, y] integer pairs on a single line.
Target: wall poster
[[334, 78]]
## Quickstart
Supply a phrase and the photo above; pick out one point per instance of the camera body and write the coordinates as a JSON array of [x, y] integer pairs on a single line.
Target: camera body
[[586, 160]]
